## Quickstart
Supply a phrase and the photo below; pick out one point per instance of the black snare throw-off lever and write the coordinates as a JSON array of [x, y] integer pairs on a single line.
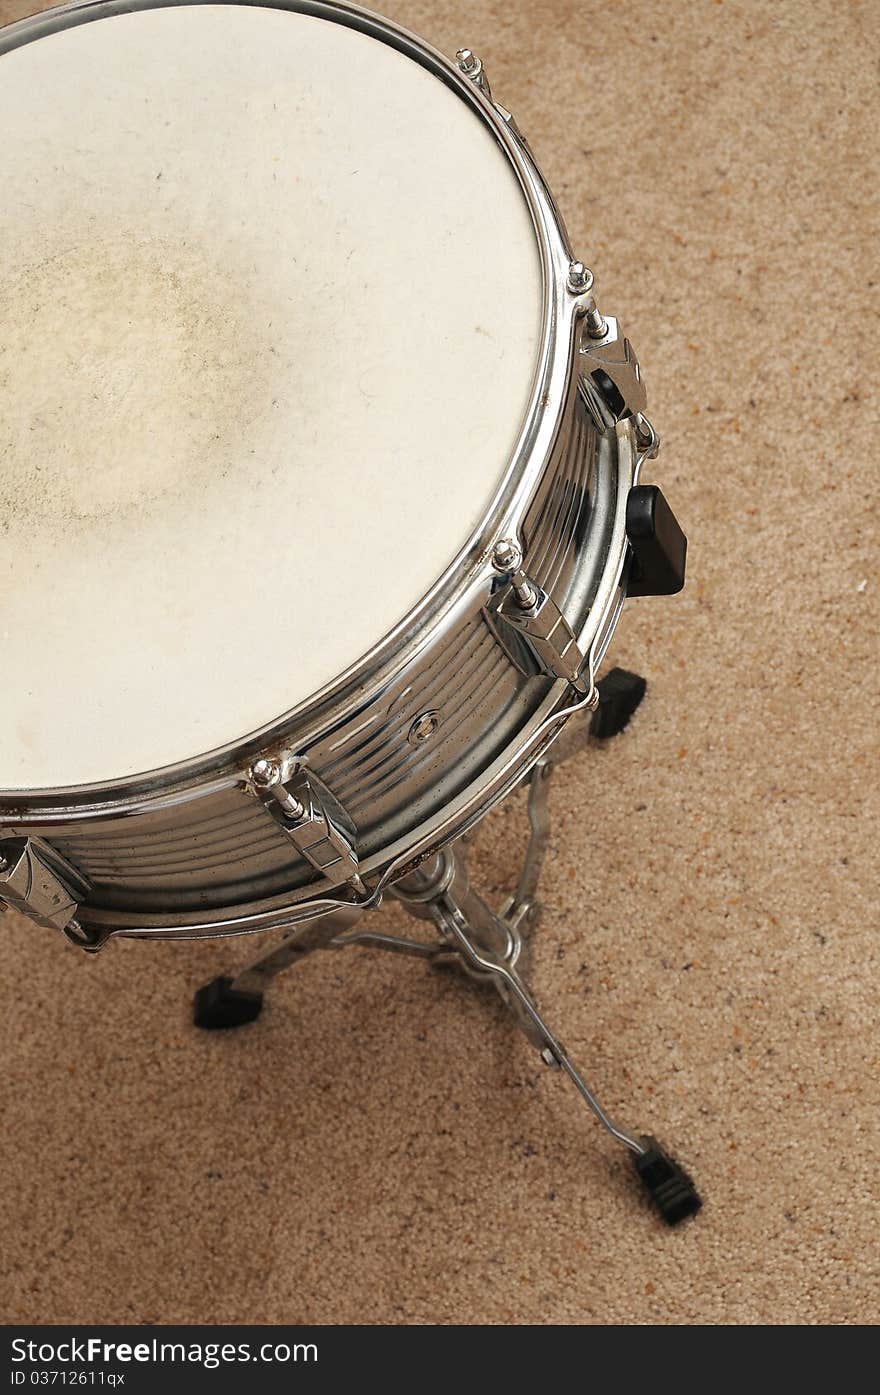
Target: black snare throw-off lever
[[659, 547]]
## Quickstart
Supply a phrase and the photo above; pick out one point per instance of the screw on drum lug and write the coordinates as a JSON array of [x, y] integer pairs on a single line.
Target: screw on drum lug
[[580, 282], [507, 555], [266, 776], [468, 62], [597, 326], [507, 558], [265, 773], [423, 728], [580, 278]]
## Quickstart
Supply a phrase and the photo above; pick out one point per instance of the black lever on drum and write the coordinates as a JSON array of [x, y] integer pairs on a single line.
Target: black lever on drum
[[659, 547]]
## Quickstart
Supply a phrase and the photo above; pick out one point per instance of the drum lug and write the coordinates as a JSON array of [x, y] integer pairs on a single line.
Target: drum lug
[[310, 815], [39, 882], [529, 625], [608, 362]]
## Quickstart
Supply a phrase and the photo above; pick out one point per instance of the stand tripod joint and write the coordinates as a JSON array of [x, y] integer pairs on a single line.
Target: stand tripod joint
[[485, 944]]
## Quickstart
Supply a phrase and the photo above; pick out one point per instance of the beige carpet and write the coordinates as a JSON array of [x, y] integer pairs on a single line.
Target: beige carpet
[[381, 1147]]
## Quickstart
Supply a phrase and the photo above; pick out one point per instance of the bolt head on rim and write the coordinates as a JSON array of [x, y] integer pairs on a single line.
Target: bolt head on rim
[[580, 278], [265, 773], [507, 555]]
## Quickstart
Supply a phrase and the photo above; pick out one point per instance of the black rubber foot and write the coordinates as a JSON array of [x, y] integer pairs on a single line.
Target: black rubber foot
[[218, 1005], [619, 695], [673, 1192]]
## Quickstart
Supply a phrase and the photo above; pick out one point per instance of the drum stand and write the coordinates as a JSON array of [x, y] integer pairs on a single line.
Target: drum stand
[[484, 944]]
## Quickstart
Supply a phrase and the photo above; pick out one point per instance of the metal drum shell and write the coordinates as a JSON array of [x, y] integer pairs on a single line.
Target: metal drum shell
[[189, 850]]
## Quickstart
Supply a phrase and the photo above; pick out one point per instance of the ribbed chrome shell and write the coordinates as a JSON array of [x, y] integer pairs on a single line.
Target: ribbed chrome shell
[[189, 849]]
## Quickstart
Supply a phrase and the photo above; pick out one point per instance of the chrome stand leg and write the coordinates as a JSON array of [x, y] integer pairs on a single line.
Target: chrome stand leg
[[486, 944], [488, 947], [303, 940], [234, 1001], [441, 892]]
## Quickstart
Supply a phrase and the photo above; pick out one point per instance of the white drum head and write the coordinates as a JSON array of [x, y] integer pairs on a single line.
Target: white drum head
[[271, 307]]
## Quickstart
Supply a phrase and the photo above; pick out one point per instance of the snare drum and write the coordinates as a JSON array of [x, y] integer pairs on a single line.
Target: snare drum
[[319, 464]]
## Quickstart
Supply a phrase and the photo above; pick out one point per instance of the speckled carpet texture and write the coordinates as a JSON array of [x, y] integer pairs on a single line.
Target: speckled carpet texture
[[382, 1146]]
